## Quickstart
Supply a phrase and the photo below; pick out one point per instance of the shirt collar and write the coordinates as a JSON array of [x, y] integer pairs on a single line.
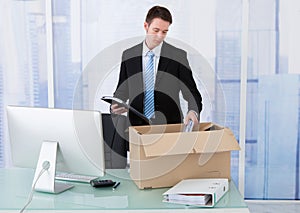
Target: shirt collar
[[155, 50]]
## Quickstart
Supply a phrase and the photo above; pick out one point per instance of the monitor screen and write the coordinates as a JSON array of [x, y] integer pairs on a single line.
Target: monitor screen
[[78, 133]]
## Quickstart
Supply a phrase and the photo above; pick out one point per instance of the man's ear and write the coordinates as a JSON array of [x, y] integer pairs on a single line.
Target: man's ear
[[146, 26]]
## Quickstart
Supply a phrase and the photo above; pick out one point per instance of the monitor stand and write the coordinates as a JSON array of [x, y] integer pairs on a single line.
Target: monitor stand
[[46, 182]]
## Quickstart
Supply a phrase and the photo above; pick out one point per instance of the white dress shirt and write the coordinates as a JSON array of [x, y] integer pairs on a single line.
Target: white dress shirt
[[156, 52]]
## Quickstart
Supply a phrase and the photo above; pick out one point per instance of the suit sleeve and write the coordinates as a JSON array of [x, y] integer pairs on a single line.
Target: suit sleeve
[[122, 86], [188, 86]]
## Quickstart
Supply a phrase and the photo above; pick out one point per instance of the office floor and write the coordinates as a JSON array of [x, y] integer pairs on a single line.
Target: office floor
[[273, 206]]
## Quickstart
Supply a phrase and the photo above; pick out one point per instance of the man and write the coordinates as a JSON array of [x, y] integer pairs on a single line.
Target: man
[[172, 75]]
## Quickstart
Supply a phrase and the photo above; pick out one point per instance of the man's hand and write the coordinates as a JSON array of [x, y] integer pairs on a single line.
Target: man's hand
[[115, 109], [192, 115]]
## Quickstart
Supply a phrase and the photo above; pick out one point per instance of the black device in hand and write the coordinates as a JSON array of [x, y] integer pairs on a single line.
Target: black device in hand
[[112, 100], [102, 183]]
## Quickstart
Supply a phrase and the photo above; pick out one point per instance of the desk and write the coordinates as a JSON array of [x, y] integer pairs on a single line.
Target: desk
[[15, 186]]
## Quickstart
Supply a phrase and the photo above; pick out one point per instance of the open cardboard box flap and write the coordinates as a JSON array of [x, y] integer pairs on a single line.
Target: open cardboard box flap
[[162, 140]]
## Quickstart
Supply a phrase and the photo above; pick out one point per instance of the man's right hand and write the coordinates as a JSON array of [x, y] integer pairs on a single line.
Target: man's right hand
[[115, 109]]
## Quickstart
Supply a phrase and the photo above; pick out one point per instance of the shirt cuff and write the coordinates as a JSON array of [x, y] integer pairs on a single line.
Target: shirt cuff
[[195, 113]]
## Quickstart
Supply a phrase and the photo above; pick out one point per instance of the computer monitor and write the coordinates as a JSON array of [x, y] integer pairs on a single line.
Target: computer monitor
[[78, 134]]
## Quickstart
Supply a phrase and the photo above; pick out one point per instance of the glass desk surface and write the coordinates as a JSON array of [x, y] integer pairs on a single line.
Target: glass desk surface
[[15, 184]]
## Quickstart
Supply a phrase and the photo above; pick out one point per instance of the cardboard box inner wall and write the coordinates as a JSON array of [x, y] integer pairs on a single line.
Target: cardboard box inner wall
[[163, 155]]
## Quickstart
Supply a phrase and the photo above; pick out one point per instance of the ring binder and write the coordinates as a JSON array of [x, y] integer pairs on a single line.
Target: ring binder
[[111, 100]]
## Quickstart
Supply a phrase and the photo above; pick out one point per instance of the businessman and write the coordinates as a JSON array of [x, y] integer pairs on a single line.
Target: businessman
[[152, 75]]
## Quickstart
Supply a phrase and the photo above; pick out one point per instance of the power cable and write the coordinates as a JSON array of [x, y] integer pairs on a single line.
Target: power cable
[[46, 166]]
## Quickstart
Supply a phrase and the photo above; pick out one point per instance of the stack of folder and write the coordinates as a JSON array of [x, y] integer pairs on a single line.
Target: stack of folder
[[197, 192]]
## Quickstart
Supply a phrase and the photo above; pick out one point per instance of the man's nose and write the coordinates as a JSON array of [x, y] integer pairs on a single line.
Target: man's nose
[[160, 34]]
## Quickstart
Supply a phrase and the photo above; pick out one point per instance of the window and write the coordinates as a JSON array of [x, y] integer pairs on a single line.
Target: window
[[23, 73]]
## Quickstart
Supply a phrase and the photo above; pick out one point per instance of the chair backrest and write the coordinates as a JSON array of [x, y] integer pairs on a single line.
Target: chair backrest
[[116, 140]]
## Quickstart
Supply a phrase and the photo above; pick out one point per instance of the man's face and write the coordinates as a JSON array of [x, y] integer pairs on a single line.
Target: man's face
[[156, 32]]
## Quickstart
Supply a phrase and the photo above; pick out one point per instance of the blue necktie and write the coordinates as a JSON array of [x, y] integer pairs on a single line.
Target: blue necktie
[[149, 86]]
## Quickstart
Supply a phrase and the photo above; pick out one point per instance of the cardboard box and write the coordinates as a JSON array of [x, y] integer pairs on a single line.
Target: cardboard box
[[163, 155]]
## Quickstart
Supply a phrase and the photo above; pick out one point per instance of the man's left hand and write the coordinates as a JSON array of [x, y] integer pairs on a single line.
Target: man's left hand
[[192, 115]]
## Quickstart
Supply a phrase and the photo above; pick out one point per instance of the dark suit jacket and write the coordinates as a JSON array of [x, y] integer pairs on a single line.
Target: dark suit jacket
[[173, 75]]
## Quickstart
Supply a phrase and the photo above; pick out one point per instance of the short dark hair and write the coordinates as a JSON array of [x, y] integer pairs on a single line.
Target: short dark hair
[[159, 12]]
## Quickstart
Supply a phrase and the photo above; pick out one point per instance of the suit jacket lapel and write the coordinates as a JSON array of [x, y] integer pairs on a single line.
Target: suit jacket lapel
[[163, 63], [135, 64], [135, 68], [135, 59]]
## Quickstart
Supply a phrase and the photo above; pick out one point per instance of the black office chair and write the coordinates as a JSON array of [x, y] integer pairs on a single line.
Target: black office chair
[[116, 140]]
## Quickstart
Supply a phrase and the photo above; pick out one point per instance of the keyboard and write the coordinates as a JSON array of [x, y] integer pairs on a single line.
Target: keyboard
[[74, 177]]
